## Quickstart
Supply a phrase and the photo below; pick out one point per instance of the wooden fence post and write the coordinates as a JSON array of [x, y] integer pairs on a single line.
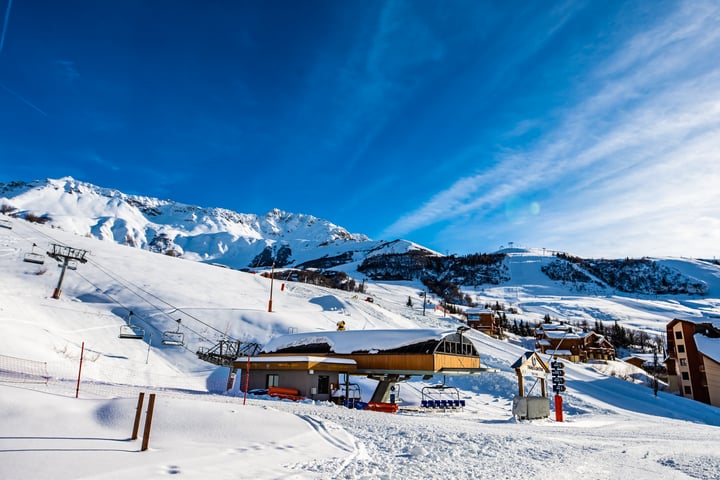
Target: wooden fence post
[[138, 413], [148, 423]]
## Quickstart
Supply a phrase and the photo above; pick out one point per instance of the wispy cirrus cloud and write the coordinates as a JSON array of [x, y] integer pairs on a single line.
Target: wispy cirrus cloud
[[68, 70], [638, 152]]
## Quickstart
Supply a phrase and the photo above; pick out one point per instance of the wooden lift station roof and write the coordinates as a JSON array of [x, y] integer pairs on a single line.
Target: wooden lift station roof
[[377, 352]]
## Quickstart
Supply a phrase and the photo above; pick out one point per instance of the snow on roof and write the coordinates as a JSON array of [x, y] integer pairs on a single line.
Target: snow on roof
[[350, 341], [555, 326], [554, 334], [647, 358], [710, 347], [478, 310], [715, 322], [298, 358]]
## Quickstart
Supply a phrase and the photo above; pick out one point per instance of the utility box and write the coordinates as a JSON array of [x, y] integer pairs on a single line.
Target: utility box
[[531, 408]]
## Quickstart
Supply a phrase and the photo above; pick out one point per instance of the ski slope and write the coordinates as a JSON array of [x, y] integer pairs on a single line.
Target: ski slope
[[613, 427]]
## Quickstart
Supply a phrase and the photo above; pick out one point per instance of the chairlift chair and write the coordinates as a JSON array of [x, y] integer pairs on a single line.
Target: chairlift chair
[[34, 257], [174, 338], [72, 265], [131, 331], [5, 223]]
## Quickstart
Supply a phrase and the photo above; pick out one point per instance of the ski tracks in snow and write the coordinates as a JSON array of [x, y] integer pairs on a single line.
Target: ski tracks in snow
[[338, 437]]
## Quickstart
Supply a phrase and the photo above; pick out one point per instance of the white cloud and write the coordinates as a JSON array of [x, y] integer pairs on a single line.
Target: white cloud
[[634, 165]]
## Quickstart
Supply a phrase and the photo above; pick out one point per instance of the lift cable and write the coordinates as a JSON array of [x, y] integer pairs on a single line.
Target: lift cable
[[129, 284]]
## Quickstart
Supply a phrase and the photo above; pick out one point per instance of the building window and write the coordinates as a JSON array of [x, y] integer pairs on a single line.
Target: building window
[[273, 380], [681, 348], [678, 335], [683, 362], [323, 384], [688, 391], [685, 375]]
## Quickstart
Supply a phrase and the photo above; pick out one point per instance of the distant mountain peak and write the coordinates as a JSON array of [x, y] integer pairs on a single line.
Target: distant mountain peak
[[210, 234]]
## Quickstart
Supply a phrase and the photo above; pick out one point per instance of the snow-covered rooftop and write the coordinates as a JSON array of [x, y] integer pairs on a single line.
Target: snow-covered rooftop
[[350, 341], [710, 347], [477, 310], [298, 358]]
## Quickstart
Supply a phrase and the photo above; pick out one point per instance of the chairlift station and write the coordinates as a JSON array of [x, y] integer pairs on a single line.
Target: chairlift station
[[310, 362]]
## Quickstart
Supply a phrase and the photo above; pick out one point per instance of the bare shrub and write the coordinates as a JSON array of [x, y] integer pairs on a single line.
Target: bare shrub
[[41, 219], [7, 209]]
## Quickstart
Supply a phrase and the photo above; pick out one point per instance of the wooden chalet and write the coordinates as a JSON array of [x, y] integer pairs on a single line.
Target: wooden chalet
[[563, 341], [484, 320], [389, 356]]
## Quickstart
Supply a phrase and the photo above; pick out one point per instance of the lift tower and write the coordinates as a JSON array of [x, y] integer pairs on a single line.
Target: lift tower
[[64, 255]]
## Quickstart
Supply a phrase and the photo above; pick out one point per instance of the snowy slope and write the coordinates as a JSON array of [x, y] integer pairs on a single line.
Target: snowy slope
[[612, 427]]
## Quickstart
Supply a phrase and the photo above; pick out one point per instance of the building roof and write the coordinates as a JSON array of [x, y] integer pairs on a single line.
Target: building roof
[[714, 321], [710, 347], [555, 326], [298, 358], [646, 358], [478, 310], [565, 335], [354, 341]]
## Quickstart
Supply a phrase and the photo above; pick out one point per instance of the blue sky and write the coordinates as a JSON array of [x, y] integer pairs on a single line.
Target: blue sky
[[584, 126]]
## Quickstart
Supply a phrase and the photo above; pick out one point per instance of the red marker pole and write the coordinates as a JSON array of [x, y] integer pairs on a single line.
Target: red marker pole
[[82, 352], [558, 408]]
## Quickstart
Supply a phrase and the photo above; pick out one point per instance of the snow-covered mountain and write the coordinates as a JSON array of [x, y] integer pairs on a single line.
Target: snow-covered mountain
[[210, 235], [249, 241]]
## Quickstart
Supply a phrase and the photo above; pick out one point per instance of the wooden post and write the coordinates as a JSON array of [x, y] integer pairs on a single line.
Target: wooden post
[[82, 352], [247, 379], [148, 423], [521, 383], [138, 413]]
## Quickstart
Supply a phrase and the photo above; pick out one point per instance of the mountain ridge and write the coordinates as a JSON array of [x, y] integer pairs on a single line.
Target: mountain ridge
[[207, 234], [299, 241]]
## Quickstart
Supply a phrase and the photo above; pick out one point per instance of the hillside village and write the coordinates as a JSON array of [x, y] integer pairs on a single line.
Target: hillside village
[[142, 314]]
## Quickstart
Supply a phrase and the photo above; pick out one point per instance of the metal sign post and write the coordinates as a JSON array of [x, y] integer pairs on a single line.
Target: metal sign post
[[558, 381]]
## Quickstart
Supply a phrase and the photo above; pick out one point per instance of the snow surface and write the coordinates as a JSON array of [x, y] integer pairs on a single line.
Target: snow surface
[[613, 428]]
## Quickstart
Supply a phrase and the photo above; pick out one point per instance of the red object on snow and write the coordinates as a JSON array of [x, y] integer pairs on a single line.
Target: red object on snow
[[382, 407]]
